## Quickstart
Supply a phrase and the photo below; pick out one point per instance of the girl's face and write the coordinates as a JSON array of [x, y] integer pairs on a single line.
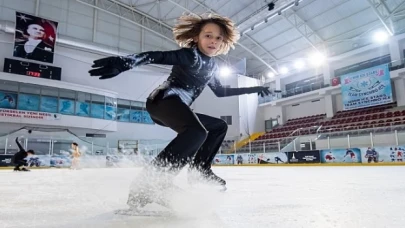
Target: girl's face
[[36, 31], [210, 39]]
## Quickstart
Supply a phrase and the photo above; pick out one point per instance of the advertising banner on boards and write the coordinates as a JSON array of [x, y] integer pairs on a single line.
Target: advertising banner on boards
[[272, 158], [307, 156], [224, 159], [349, 155], [390, 154]]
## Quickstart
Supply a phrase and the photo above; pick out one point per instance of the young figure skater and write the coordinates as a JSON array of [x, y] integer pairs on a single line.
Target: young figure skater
[[76, 156], [194, 67], [18, 158]]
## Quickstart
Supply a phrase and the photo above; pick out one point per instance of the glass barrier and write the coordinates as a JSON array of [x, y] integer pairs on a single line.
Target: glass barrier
[[3, 145], [71, 103], [266, 145], [362, 136], [332, 137], [53, 141]]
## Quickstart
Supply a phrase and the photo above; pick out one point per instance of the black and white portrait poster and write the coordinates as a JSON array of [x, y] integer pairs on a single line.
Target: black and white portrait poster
[[34, 38]]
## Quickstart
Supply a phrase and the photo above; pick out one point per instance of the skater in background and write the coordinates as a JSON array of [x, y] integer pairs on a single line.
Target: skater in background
[[18, 158], [75, 156], [199, 136]]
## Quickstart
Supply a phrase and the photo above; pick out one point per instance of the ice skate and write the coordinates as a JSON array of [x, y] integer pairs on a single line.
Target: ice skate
[[152, 186], [16, 169], [25, 170], [206, 175], [147, 194]]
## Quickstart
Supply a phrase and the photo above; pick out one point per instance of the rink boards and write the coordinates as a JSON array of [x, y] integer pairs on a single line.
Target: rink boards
[[382, 156], [339, 157]]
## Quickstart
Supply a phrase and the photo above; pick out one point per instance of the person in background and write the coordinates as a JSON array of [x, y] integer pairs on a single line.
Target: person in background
[[75, 156], [18, 158]]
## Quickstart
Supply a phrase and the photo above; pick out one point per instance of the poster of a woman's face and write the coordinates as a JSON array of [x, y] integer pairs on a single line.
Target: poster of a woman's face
[[34, 38]]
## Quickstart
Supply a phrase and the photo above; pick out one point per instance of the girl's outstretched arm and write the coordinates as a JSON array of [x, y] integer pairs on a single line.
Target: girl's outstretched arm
[[114, 65], [19, 145], [221, 91]]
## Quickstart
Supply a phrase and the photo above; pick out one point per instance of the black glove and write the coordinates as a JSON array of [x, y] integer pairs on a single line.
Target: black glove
[[261, 90], [110, 66]]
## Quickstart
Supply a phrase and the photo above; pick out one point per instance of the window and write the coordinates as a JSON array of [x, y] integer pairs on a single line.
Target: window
[[28, 99], [8, 100], [227, 119], [25, 96], [97, 106], [9, 86], [28, 88], [67, 102], [136, 112], [110, 108], [305, 85], [49, 100], [83, 101], [48, 91], [136, 105], [123, 110], [362, 65], [29, 102]]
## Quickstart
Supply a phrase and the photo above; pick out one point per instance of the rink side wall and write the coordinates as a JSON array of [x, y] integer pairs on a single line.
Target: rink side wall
[[384, 156]]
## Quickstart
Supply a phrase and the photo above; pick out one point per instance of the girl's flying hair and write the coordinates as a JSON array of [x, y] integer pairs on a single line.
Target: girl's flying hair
[[190, 26]]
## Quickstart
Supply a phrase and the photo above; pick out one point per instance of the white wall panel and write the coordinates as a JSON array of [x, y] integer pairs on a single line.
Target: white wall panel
[[107, 17], [53, 12], [106, 39], [82, 20], [79, 32]]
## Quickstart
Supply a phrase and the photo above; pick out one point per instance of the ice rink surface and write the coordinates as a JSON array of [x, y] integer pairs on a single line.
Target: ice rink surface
[[315, 197]]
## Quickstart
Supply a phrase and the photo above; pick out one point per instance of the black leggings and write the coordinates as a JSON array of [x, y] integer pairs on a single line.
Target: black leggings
[[20, 163], [197, 134]]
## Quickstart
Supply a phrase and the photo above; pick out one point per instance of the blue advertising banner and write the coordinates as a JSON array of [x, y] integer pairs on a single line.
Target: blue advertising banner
[[29, 102], [49, 104], [246, 159], [272, 158], [60, 161], [97, 111], [224, 159], [123, 114], [366, 88], [66, 106], [39, 161], [350, 155], [8, 100], [82, 108], [393, 154]]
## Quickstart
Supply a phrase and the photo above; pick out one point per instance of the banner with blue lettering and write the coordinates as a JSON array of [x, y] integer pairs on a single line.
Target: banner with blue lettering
[[366, 88]]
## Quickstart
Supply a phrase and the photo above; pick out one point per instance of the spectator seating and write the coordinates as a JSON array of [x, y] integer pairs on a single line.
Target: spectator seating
[[373, 117]]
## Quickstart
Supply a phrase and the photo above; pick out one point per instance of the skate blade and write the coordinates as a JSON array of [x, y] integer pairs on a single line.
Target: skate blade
[[141, 212]]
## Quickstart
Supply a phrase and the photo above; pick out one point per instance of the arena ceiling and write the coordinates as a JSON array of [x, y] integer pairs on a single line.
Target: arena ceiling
[[292, 30]]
